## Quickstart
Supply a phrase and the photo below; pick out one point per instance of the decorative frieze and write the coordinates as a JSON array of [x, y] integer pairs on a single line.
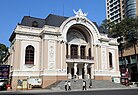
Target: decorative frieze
[[104, 58], [51, 54]]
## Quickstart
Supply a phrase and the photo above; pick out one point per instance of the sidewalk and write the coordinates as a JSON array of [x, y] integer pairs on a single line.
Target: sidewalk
[[59, 90]]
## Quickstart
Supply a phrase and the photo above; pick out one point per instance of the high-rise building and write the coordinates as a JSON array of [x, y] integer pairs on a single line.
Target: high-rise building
[[116, 10], [131, 8]]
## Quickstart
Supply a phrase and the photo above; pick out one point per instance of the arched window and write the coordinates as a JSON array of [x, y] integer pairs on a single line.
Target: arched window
[[110, 60], [34, 24], [29, 55]]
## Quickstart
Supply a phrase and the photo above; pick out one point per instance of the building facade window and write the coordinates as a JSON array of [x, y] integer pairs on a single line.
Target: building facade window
[[110, 60], [34, 24], [82, 52], [74, 51], [29, 55]]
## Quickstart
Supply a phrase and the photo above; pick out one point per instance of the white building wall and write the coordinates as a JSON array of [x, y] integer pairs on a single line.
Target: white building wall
[[26, 69], [49, 34]]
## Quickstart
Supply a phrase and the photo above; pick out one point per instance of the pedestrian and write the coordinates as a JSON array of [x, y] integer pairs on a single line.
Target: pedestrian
[[90, 86], [84, 85], [75, 78], [66, 85], [69, 85]]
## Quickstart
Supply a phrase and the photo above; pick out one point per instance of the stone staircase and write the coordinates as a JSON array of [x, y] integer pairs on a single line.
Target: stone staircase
[[53, 85], [95, 84]]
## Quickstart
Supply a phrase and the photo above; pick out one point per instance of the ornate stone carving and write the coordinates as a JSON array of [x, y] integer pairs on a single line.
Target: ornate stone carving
[[80, 16], [51, 54], [104, 60], [51, 65]]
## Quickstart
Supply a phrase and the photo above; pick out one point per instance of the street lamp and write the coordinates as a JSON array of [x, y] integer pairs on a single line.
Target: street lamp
[[120, 40]]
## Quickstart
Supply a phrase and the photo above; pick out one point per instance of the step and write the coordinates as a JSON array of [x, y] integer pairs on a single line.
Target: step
[[95, 84]]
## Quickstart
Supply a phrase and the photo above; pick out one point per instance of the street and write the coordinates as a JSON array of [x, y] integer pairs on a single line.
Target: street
[[88, 92]]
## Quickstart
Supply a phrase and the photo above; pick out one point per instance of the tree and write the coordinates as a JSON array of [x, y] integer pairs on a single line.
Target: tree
[[131, 36], [128, 29], [107, 25], [3, 51]]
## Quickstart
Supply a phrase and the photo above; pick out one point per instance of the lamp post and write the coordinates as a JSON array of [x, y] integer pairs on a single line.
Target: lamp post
[[120, 40]]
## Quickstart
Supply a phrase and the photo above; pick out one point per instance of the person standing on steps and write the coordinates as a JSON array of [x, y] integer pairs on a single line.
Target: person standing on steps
[[66, 85], [84, 85], [69, 85]]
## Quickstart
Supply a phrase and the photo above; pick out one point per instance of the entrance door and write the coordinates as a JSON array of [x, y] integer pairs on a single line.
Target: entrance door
[[82, 73], [72, 72]]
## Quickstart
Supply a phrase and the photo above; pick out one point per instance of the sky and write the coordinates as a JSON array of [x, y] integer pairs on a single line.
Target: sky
[[12, 12]]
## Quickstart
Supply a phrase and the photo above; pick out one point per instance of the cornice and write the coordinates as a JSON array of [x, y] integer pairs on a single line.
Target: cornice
[[104, 39]]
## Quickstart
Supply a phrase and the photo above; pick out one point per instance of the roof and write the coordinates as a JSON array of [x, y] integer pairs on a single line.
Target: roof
[[28, 20], [52, 20], [55, 20]]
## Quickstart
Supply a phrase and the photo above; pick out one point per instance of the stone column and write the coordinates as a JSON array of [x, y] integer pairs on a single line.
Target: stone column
[[80, 73], [69, 74], [75, 68], [85, 71], [92, 71], [69, 54]]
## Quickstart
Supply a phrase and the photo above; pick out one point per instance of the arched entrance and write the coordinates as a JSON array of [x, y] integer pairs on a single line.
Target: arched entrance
[[78, 51]]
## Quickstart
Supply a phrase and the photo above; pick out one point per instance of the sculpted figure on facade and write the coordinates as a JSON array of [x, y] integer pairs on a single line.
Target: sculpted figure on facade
[[80, 16]]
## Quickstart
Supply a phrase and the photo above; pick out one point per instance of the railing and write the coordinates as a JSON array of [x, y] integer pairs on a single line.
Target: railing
[[79, 57]]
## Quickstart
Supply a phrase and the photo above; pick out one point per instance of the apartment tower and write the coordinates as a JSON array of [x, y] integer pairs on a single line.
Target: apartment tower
[[131, 8], [116, 10]]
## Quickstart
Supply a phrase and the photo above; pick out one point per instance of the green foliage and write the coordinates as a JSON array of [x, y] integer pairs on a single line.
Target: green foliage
[[128, 29], [107, 25], [3, 51]]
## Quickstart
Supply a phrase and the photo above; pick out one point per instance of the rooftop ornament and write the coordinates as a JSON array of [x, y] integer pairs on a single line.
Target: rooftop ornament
[[80, 16]]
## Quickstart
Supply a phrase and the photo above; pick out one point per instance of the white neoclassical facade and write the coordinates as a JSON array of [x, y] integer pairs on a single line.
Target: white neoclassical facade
[[60, 48]]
